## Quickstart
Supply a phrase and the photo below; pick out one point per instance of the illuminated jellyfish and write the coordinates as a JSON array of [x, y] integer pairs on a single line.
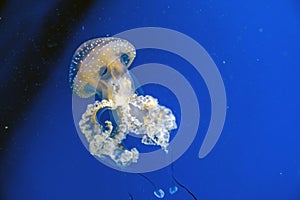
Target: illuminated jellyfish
[[159, 193], [99, 67], [173, 189]]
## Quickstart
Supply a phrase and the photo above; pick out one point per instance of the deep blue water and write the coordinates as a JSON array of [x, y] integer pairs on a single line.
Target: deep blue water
[[255, 45]]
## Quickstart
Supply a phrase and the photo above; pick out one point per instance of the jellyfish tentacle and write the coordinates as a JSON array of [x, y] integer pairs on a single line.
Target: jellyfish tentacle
[[181, 185]]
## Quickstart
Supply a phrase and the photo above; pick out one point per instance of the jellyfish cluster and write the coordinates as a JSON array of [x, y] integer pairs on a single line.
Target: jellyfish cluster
[[100, 68]]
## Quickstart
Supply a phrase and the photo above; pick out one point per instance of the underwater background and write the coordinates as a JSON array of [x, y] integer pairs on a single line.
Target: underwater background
[[255, 45]]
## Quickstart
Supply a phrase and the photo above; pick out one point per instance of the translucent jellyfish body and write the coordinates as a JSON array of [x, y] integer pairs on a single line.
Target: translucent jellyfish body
[[173, 189], [159, 193], [100, 67]]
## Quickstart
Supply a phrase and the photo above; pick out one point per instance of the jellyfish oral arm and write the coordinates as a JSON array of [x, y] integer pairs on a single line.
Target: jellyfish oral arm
[[148, 118], [157, 121], [101, 143]]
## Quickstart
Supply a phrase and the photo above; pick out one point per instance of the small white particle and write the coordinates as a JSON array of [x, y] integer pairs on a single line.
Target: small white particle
[[224, 62], [260, 30], [257, 59], [280, 173], [82, 28], [6, 127]]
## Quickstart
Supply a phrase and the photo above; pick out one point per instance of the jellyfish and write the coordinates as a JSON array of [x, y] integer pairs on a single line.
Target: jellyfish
[[173, 189], [100, 67], [159, 192]]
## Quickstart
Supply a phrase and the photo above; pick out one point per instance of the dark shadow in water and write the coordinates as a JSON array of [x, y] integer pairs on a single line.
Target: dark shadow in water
[[36, 57], [2, 5]]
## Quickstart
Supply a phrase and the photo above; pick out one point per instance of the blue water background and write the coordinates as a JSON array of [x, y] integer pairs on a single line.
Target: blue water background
[[255, 45]]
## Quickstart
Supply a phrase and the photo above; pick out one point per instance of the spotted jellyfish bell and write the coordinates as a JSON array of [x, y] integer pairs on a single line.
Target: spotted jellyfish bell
[[97, 61]]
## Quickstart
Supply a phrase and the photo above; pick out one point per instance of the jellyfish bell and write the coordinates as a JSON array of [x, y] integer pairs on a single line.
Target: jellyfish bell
[[97, 63]]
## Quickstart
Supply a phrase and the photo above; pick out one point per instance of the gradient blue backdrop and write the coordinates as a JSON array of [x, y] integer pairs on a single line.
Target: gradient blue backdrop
[[255, 45]]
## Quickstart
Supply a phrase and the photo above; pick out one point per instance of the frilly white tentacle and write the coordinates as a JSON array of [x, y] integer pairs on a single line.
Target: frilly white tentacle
[[140, 115]]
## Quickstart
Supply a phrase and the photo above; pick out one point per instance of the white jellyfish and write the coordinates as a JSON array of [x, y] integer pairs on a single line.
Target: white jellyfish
[[99, 66]]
